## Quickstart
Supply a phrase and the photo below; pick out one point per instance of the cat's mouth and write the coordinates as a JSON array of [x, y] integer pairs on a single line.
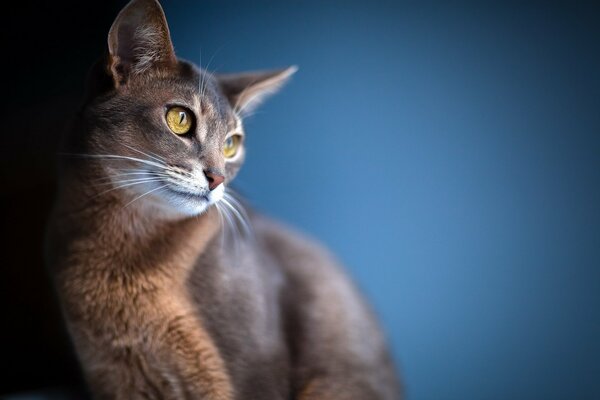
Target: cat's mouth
[[187, 189], [190, 201], [177, 191], [182, 193]]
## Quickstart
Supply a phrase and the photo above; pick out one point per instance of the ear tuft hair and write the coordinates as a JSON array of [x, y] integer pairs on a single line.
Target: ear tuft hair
[[246, 91]]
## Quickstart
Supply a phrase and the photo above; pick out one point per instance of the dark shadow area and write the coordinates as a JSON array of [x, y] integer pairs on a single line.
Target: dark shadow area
[[48, 48]]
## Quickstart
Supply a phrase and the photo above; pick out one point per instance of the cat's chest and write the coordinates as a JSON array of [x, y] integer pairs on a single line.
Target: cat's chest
[[238, 304], [239, 294]]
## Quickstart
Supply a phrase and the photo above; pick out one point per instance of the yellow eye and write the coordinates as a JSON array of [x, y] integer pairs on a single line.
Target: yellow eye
[[231, 145], [179, 120]]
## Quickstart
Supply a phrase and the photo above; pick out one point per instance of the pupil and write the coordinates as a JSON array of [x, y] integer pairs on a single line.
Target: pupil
[[181, 117]]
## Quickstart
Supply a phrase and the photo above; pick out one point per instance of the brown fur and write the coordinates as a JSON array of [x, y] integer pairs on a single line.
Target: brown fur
[[157, 306]]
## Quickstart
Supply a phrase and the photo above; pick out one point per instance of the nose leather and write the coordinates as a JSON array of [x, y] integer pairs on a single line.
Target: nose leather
[[214, 179]]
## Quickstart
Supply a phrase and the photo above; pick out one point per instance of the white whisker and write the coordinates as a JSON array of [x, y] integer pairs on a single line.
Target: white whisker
[[231, 230], [221, 223], [128, 175], [121, 181], [124, 186], [203, 76], [159, 159], [238, 205], [239, 216], [145, 194], [177, 176], [118, 157]]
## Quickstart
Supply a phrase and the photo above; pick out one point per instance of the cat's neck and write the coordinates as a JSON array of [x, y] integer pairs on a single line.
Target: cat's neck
[[127, 234]]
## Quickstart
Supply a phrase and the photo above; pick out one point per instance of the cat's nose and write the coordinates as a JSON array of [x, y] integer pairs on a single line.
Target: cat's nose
[[214, 179]]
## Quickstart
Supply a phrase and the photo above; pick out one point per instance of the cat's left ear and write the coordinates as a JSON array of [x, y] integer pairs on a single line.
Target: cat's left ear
[[139, 40], [245, 91]]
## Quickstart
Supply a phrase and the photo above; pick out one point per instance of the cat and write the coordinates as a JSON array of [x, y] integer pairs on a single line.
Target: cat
[[170, 288]]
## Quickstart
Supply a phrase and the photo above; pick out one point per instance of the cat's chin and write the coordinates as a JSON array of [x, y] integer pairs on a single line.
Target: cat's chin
[[189, 204], [175, 203], [176, 209]]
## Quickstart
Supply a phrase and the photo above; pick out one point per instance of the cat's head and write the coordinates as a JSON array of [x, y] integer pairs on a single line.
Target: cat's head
[[162, 130]]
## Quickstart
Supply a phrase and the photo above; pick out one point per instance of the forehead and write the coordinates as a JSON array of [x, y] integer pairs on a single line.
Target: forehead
[[192, 88]]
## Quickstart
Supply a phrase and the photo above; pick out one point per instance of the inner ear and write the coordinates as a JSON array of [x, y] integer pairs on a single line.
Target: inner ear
[[139, 40], [245, 91]]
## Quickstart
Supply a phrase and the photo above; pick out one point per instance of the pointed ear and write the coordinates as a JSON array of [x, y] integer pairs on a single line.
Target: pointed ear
[[139, 40], [245, 91]]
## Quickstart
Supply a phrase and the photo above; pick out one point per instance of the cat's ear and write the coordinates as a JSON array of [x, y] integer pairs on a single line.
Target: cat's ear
[[245, 91], [139, 40]]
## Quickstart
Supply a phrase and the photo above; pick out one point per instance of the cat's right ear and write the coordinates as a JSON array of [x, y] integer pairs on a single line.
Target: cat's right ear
[[139, 40]]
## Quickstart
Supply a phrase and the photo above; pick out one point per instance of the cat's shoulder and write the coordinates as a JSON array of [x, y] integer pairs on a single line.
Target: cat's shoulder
[[284, 238], [297, 252]]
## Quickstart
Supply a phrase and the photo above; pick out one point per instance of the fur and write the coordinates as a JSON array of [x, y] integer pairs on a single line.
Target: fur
[[160, 302]]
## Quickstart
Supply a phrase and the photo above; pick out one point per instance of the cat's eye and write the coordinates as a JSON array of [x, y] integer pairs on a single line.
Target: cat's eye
[[179, 120], [231, 145]]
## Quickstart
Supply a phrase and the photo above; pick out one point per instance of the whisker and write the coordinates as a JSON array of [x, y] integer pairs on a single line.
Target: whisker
[[201, 75], [222, 224], [118, 157], [164, 170], [110, 178], [175, 175], [148, 179], [207, 73], [239, 216], [203, 90], [159, 159], [230, 230], [235, 202], [237, 234], [125, 185], [233, 199], [142, 170], [145, 194], [132, 176]]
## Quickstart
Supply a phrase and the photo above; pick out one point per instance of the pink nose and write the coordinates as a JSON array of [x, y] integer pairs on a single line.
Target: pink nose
[[214, 180]]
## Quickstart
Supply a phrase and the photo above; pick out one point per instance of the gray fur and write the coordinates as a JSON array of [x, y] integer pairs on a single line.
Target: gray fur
[[159, 302]]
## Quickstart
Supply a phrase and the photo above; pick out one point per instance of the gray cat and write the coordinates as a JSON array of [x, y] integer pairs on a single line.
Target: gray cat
[[170, 288]]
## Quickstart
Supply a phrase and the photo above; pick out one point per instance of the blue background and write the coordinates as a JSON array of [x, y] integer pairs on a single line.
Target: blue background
[[450, 156]]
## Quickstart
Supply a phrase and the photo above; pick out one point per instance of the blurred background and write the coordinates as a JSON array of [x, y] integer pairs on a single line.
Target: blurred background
[[449, 154]]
